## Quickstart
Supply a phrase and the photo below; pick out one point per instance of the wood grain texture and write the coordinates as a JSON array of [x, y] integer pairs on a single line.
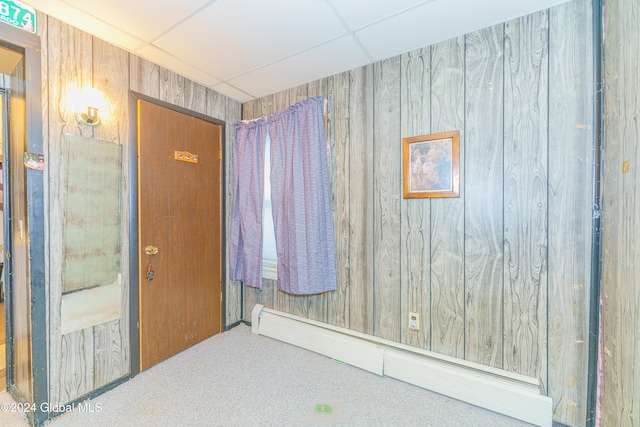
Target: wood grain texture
[[569, 218], [298, 93], [525, 196], [144, 76], [620, 404], [338, 127], [111, 75], [447, 215], [268, 105], [76, 367], [69, 69], [386, 198], [195, 97], [171, 87], [483, 197], [415, 249], [518, 192], [361, 199], [217, 106], [232, 113], [112, 351]]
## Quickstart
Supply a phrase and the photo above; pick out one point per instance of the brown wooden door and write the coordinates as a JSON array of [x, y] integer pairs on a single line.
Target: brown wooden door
[[180, 214]]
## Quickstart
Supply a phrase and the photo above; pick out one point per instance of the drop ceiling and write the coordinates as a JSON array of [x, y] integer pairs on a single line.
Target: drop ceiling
[[246, 49]]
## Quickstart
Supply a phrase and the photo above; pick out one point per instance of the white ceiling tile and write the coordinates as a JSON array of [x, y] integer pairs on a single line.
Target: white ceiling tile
[[144, 19], [87, 23], [157, 56], [331, 58], [231, 37], [358, 13], [258, 47]]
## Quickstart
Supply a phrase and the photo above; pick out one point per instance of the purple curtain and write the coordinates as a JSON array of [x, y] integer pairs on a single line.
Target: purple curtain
[[245, 245], [300, 195], [301, 198]]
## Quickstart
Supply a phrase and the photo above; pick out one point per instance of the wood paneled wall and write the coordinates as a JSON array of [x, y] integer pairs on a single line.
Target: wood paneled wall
[[86, 360], [620, 346], [501, 275]]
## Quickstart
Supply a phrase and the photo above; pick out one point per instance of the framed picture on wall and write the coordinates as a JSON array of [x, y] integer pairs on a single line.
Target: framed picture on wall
[[431, 165]]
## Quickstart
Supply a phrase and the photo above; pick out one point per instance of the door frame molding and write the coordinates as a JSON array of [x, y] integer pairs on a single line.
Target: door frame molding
[[35, 199], [134, 290]]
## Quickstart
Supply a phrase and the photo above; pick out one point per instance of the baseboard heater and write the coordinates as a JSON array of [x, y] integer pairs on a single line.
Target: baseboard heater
[[507, 393]]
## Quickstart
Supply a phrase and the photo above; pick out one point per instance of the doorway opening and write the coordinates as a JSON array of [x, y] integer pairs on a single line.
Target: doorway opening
[[11, 82], [4, 362]]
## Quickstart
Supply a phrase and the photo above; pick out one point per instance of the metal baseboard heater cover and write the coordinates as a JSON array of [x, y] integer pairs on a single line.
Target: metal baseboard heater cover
[[507, 393]]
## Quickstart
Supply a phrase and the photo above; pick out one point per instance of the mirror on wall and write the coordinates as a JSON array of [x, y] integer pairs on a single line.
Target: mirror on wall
[[92, 239]]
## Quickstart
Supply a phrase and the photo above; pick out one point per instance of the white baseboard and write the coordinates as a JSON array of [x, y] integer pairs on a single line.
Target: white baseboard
[[514, 395]]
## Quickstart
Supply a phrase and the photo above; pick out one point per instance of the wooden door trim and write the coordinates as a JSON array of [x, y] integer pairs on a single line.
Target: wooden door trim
[[134, 244]]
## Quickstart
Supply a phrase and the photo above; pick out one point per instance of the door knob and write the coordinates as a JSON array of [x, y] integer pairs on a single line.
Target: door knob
[[150, 250]]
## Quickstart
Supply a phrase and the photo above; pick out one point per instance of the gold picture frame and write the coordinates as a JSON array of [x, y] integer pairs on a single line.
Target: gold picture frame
[[431, 165]]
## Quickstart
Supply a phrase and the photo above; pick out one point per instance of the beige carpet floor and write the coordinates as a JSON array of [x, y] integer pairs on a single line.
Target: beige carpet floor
[[240, 379]]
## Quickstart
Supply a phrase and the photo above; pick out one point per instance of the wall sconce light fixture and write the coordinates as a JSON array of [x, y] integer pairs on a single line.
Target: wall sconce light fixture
[[89, 105]]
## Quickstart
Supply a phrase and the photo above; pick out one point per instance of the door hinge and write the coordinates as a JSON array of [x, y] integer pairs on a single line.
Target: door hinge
[[220, 154]]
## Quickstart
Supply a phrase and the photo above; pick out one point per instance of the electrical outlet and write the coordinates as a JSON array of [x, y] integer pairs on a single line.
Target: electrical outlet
[[414, 321]]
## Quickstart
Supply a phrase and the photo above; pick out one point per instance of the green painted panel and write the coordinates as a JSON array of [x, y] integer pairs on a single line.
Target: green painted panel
[[92, 182]]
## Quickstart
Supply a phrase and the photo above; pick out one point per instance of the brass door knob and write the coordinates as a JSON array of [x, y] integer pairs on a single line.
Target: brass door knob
[[150, 250]]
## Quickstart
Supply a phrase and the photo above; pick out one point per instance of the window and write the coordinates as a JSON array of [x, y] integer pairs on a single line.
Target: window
[[269, 254]]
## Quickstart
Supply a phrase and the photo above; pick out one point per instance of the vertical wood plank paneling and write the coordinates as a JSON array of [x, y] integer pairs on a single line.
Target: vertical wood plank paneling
[[70, 69], [171, 87], [299, 93], [621, 246], [387, 197], [525, 196], [112, 351], [415, 249], [217, 105], [569, 229], [478, 303], [232, 114], [483, 197], [268, 105], [144, 76], [447, 215], [111, 76], [195, 97], [75, 377], [361, 199], [338, 127]]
